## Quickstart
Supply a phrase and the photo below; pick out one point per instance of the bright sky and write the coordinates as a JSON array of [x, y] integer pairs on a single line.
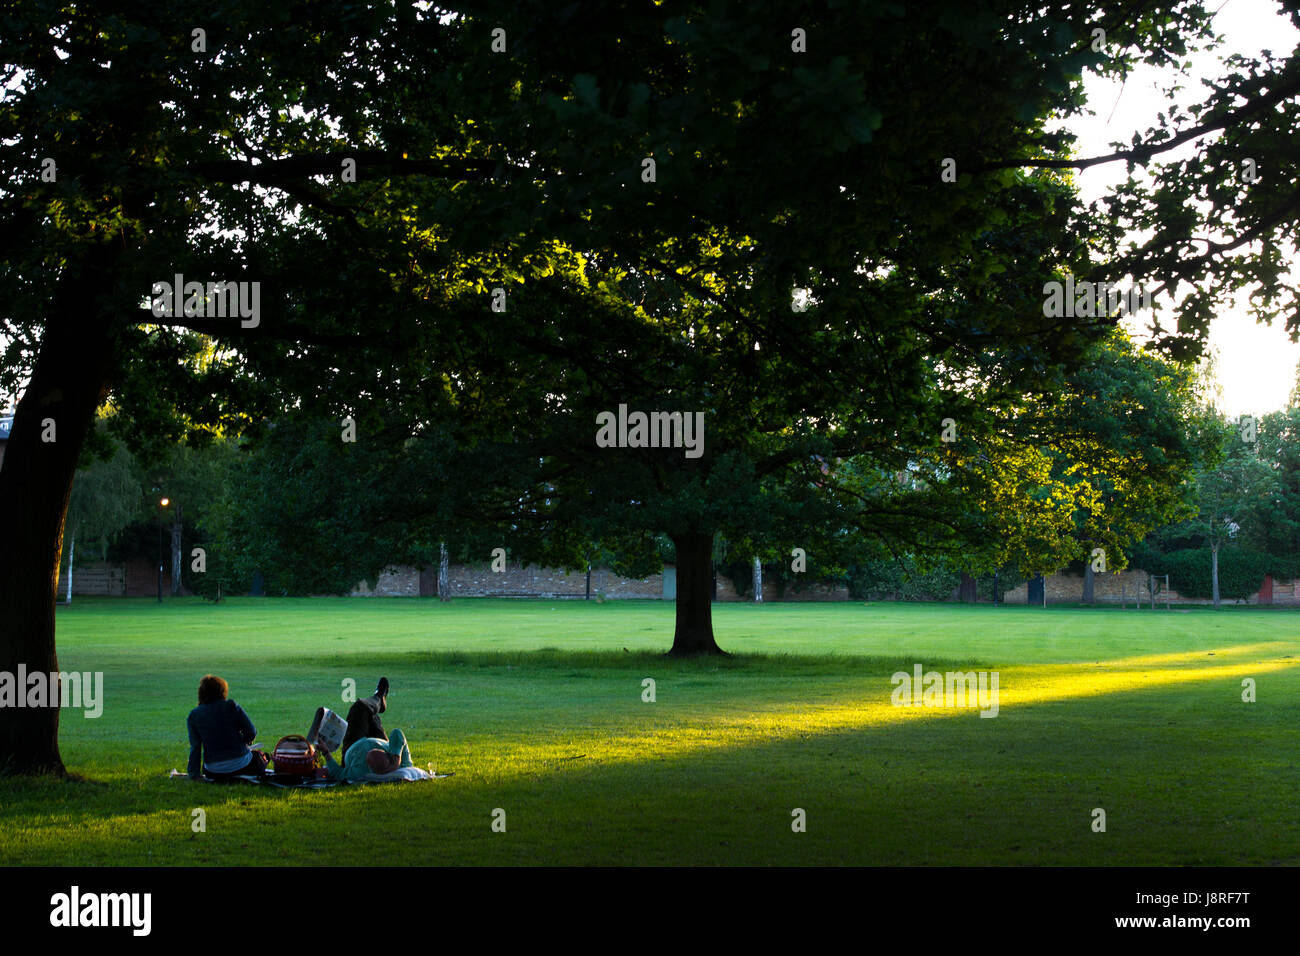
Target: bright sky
[[1257, 364]]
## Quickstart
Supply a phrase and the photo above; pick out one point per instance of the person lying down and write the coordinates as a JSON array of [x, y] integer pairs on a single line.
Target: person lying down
[[374, 760]]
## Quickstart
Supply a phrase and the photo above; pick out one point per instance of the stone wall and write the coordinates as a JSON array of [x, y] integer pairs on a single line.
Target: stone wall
[[137, 578], [727, 591], [479, 580], [101, 579], [393, 582], [1112, 588], [815, 591], [612, 585], [1286, 593]]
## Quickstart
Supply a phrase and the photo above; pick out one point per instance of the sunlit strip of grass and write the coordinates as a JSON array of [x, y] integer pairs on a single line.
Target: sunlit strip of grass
[[1188, 657], [1018, 688], [667, 738], [1061, 683], [547, 752]]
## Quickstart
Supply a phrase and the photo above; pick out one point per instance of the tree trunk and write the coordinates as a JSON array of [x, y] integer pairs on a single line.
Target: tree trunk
[[758, 581], [68, 383], [1214, 573], [694, 634], [1088, 583], [442, 572], [176, 550]]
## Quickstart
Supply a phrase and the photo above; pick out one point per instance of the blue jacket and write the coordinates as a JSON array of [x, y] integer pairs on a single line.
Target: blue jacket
[[218, 731]]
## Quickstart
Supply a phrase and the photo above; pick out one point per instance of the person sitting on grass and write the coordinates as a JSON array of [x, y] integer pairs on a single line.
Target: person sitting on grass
[[371, 758], [220, 733]]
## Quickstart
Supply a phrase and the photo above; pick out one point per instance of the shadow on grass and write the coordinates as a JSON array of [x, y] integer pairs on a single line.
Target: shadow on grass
[[923, 791], [624, 740], [550, 658]]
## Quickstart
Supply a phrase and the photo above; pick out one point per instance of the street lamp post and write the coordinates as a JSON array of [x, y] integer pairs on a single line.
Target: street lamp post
[[162, 503]]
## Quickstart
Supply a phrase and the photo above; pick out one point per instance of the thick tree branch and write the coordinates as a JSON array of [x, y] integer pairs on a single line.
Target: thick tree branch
[[1144, 153]]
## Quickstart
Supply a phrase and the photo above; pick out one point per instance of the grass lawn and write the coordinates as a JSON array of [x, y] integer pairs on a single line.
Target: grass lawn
[[537, 707]]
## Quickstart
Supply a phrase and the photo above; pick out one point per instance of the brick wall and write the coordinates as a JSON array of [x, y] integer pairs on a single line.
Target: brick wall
[[1285, 592], [727, 591], [98, 579], [1111, 588], [479, 580], [393, 582], [141, 578], [612, 585], [814, 591]]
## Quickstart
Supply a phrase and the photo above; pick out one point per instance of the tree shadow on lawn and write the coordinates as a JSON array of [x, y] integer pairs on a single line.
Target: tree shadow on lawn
[[765, 746], [85, 785], [552, 658], [956, 789]]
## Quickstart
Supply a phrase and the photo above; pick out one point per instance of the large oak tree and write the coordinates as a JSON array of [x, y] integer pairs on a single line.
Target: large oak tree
[[788, 151]]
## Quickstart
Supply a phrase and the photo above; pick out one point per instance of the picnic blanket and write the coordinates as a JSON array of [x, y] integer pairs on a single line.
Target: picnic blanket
[[289, 781], [330, 728]]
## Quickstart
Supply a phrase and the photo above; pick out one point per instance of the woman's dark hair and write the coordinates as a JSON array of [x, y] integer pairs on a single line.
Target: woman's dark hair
[[212, 689]]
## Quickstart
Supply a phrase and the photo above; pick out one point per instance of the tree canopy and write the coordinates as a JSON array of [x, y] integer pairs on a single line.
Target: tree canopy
[[826, 232]]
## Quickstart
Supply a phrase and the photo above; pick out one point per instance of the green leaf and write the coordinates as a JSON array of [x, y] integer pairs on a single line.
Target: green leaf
[[586, 90]]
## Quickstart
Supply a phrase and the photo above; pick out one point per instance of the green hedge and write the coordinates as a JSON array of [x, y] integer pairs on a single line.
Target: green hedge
[[1008, 580], [1241, 571], [887, 580], [740, 574]]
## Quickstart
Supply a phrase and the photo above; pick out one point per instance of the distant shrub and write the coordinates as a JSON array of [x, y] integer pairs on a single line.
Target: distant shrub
[[902, 580], [1241, 571]]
